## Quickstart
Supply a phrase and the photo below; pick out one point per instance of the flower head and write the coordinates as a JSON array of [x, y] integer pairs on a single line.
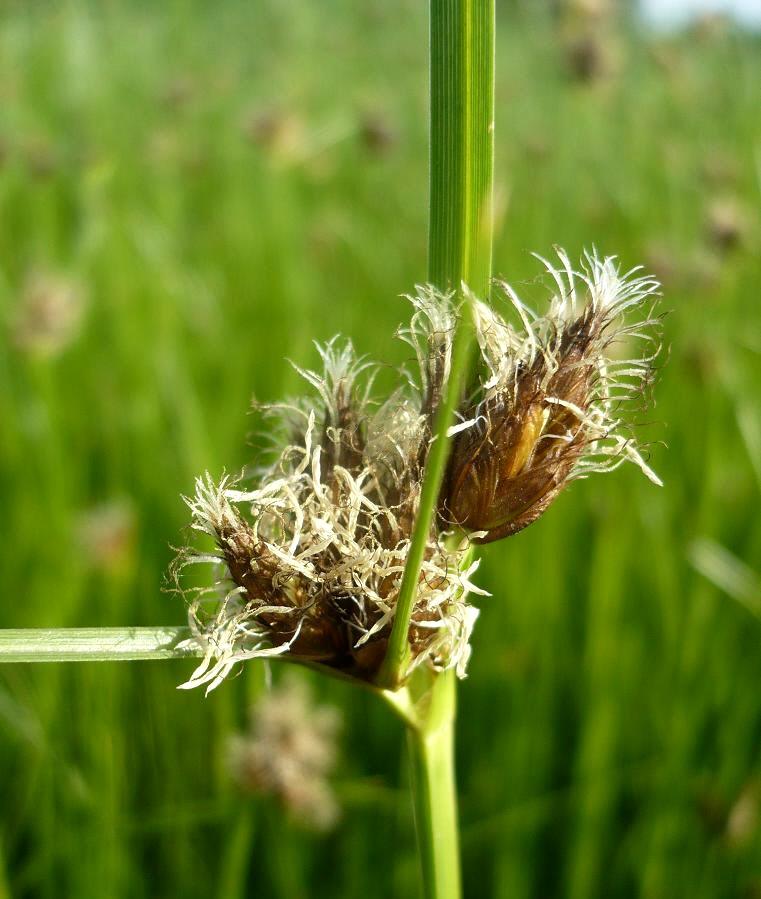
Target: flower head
[[311, 553], [49, 314], [312, 556], [553, 397], [289, 752]]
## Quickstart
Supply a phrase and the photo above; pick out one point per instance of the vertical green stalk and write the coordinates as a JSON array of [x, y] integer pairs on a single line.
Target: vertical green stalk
[[459, 239], [434, 790], [462, 144], [459, 254]]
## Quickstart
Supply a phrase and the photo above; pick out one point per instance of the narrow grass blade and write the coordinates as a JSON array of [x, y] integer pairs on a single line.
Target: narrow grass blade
[[94, 644]]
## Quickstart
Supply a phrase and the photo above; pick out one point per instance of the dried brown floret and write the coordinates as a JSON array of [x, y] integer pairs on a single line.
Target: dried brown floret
[[547, 411]]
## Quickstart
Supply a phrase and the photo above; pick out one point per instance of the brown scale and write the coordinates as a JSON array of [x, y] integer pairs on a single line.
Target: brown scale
[[324, 635], [343, 439], [253, 567], [501, 477]]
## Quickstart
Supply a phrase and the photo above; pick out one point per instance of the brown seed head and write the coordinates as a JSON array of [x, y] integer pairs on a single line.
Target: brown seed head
[[541, 413]]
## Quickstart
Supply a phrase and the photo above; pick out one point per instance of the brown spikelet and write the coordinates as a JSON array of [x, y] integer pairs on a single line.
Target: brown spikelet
[[539, 416]]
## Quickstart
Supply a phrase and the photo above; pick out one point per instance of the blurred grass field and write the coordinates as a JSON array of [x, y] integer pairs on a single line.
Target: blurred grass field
[[190, 193]]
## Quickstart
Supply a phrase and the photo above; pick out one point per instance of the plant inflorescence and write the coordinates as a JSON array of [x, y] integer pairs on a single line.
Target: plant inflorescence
[[311, 549]]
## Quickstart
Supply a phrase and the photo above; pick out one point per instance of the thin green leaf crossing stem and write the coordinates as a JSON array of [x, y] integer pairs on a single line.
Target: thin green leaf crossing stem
[[94, 644]]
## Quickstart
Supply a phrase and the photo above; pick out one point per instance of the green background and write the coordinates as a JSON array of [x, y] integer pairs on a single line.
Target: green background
[[220, 184]]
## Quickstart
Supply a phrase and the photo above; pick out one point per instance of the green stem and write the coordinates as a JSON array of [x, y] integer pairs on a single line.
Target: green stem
[[462, 144], [459, 241], [431, 749], [94, 644], [392, 672], [459, 256]]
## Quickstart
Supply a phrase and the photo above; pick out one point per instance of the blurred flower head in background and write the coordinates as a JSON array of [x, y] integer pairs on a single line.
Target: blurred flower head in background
[[48, 314], [106, 535], [590, 47], [279, 132], [727, 225], [289, 752]]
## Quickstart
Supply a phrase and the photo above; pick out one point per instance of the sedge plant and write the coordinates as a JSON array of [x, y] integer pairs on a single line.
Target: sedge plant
[[351, 549]]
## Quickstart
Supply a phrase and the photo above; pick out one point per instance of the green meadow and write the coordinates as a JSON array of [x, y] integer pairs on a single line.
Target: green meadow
[[190, 194]]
